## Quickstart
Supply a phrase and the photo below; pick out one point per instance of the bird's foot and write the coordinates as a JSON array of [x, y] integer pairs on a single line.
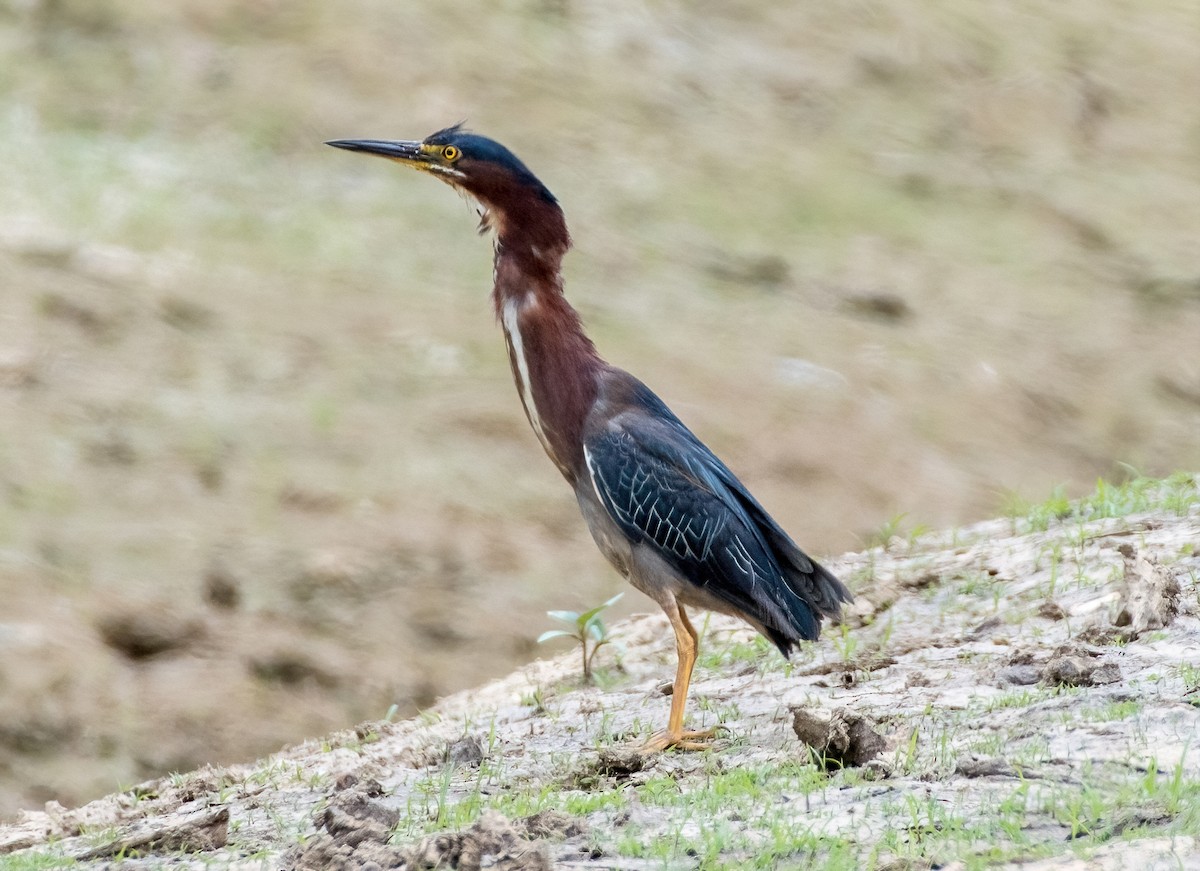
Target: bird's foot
[[664, 740]]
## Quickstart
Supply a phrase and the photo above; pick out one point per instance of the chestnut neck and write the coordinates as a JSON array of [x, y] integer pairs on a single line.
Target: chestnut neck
[[555, 365]]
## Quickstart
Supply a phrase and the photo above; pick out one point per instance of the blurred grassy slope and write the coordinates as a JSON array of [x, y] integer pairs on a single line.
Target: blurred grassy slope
[[227, 351]]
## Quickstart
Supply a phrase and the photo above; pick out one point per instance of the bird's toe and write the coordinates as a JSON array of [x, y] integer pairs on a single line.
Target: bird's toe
[[682, 740]]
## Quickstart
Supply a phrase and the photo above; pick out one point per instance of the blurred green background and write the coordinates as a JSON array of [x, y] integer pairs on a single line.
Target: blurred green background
[[262, 469]]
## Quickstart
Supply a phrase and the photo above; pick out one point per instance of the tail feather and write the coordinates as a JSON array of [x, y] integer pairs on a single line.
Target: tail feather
[[816, 593]]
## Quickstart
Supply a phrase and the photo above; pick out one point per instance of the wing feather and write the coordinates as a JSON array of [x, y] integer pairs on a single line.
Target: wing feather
[[667, 490]]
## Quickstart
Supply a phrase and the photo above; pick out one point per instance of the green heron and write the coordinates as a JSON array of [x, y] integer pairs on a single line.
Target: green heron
[[665, 511]]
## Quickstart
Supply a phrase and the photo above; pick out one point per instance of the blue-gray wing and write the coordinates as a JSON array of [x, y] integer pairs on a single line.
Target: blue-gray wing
[[666, 490]]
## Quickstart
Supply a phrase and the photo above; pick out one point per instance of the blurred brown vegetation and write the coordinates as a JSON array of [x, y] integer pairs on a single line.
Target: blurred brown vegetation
[[262, 472]]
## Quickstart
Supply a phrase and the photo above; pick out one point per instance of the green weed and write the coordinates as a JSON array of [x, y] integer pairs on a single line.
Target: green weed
[[587, 628]]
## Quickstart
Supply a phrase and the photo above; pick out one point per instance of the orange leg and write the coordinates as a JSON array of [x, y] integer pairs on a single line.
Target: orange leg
[[686, 646]]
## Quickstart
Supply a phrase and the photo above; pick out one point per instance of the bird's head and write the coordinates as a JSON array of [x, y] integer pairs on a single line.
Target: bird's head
[[477, 166]]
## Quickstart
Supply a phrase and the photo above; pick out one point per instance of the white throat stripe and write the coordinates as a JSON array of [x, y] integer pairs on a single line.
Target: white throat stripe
[[512, 330]]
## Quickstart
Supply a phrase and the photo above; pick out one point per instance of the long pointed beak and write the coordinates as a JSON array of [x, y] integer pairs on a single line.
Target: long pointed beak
[[399, 150]]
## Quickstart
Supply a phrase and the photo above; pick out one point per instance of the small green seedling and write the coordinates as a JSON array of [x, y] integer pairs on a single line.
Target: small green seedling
[[585, 627]]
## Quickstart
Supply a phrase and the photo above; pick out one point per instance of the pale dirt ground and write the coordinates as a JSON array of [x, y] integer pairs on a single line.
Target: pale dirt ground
[[959, 641], [262, 471]]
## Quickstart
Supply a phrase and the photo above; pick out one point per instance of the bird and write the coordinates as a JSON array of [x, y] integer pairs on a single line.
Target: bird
[[663, 509]]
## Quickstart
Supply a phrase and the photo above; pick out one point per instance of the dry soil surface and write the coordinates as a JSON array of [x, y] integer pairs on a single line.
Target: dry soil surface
[[995, 695]]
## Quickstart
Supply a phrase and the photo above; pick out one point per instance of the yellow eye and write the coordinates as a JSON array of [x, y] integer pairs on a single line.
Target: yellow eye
[[451, 153]]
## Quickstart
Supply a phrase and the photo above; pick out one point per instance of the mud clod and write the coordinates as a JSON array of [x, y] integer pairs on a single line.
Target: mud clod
[[1102, 636], [492, 839], [620, 762], [923, 581], [1018, 675], [200, 832], [356, 838], [984, 629], [992, 766], [553, 824], [369, 787], [867, 661], [1049, 610], [351, 817], [466, 751], [843, 740], [1150, 596], [1077, 665]]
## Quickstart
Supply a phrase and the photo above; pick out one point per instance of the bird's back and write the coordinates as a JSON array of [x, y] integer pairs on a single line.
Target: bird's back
[[690, 522]]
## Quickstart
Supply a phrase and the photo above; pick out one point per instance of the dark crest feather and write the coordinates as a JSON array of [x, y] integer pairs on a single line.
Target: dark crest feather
[[480, 148], [446, 135]]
